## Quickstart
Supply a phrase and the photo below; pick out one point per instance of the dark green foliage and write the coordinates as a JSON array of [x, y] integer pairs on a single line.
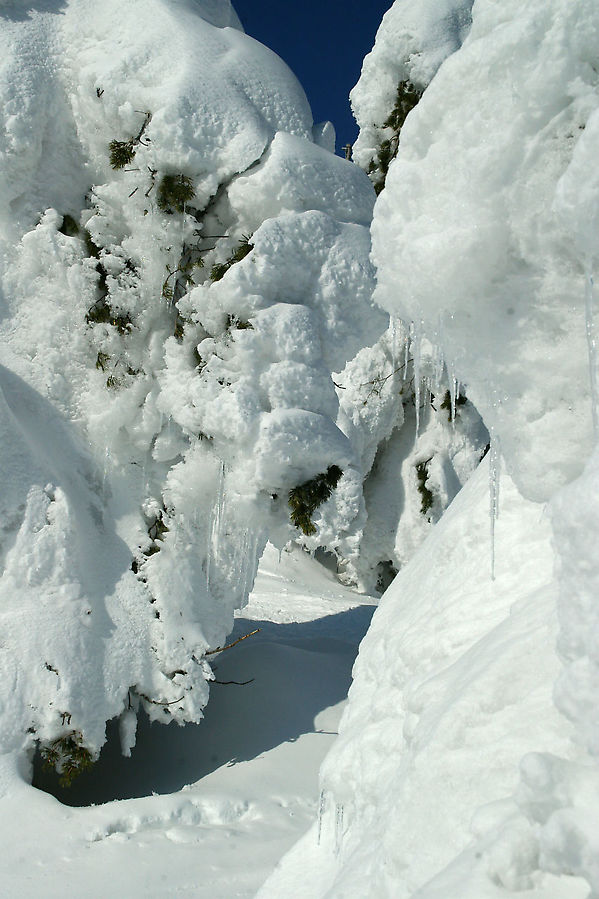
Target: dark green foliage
[[121, 153], [92, 248], [68, 756], [182, 274], [243, 249], [101, 313], [174, 191], [407, 97], [69, 226], [426, 495], [102, 361], [305, 499], [219, 270], [239, 324], [113, 383], [460, 400]]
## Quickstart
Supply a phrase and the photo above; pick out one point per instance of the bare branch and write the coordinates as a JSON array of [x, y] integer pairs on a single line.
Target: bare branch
[[211, 652]]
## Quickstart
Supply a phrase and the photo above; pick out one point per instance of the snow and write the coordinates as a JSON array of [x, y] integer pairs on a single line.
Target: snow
[[173, 364], [452, 686], [414, 39], [477, 173], [466, 766], [186, 815], [167, 363]]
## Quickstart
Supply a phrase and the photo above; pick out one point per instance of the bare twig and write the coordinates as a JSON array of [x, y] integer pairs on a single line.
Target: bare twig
[[377, 380], [147, 120], [237, 683], [158, 702], [211, 652]]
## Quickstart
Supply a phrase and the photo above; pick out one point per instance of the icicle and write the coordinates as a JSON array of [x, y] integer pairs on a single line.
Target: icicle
[[591, 345], [338, 828], [105, 474], [416, 340], [395, 328], [321, 810], [453, 392], [216, 523], [494, 473]]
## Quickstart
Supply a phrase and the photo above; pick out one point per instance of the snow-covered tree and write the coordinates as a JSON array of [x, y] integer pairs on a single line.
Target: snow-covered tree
[[184, 264], [460, 770]]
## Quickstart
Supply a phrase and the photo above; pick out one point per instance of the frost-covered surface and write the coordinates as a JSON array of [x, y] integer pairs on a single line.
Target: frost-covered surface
[[482, 199], [467, 761], [166, 357], [418, 442], [414, 38]]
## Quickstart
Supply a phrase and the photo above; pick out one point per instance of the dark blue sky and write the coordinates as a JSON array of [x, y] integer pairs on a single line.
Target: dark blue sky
[[324, 42]]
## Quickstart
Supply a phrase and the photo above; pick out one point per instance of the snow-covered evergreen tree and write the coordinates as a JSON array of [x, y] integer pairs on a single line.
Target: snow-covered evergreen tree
[[184, 263], [461, 771]]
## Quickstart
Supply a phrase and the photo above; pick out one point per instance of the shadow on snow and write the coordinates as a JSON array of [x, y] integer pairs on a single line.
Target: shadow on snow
[[298, 669]]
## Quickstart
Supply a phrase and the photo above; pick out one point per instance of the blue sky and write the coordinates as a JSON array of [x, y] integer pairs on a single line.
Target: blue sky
[[324, 42]]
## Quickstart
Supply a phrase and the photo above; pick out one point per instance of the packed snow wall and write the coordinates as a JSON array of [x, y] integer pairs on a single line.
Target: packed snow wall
[[466, 766], [184, 264]]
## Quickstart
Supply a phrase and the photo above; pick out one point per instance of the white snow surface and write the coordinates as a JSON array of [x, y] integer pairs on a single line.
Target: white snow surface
[[190, 816], [452, 685]]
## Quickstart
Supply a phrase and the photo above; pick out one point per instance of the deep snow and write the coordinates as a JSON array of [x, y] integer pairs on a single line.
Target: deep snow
[[202, 810]]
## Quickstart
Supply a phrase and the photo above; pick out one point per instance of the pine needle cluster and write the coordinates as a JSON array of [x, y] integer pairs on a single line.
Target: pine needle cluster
[[241, 251], [121, 153], [305, 499], [426, 496], [101, 313], [407, 97], [68, 756], [174, 192]]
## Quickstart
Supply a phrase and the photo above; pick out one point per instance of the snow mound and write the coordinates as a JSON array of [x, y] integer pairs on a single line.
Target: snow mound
[[433, 728]]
